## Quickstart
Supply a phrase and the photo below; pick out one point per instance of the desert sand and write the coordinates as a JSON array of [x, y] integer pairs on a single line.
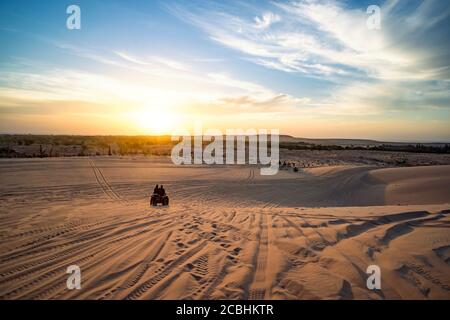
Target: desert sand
[[228, 233]]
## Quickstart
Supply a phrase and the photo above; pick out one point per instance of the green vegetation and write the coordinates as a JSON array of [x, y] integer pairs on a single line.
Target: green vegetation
[[418, 148], [65, 145]]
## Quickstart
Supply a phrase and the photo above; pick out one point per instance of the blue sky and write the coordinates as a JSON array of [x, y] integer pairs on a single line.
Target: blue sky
[[309, 68]]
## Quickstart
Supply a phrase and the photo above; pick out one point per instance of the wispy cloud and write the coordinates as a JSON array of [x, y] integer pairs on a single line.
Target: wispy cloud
[[326, 38], [154, 62], [266, 20], [212, 88]]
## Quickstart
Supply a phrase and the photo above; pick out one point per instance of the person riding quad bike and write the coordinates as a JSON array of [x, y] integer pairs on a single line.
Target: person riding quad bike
[[159, 196]]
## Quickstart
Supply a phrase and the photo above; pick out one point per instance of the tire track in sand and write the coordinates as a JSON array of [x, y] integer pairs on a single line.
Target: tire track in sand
[[257, 290], [104, 184], [163, 272], [137, 275]]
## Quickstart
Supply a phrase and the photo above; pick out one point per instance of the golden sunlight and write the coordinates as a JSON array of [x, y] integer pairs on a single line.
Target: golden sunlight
[[156, 122]]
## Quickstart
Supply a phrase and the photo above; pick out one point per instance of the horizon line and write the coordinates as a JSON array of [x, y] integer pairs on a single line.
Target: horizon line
[[281, 135]]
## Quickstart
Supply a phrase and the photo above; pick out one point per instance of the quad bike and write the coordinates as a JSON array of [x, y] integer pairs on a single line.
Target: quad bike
[[156, 198]]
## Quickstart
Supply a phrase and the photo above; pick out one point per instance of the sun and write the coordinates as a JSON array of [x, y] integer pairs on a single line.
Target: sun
[[156, 122]]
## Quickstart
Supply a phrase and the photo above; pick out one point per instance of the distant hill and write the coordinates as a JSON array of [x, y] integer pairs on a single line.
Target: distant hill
[[350, 142], [334, 141]]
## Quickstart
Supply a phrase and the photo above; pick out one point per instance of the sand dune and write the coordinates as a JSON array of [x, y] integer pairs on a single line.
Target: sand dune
[[416, 185], [228, 233]]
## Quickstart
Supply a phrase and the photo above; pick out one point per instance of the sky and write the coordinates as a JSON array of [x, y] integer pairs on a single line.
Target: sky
[[308, 68]]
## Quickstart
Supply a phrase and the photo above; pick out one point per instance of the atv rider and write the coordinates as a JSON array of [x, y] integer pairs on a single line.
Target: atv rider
[[162, 191]]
